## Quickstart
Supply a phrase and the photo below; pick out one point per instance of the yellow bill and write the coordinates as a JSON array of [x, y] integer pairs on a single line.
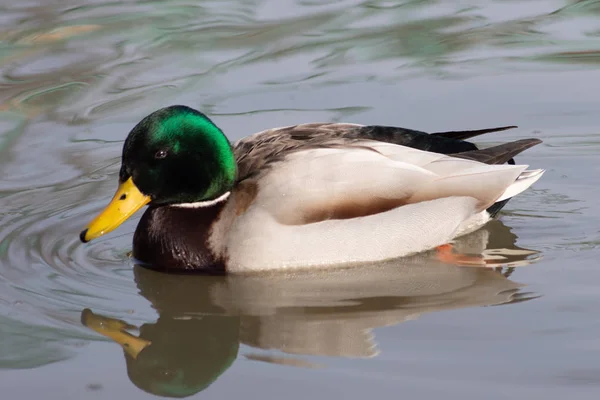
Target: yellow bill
[[126, 201], [115, 330]]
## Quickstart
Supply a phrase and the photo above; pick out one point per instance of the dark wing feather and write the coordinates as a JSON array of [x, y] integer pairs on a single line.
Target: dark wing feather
[[463, 135], [411, 138]]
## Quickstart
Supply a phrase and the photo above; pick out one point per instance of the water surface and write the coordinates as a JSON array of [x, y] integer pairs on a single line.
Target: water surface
[[75, 76]]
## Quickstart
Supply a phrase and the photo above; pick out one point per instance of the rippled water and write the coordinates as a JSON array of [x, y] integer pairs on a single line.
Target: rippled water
[[75, 76]]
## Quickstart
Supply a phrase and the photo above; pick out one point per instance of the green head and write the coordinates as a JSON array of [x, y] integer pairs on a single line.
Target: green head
[[175, 155], [178, 155]]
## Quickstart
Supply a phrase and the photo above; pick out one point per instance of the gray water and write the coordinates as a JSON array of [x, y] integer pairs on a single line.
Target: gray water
[[77, 75]]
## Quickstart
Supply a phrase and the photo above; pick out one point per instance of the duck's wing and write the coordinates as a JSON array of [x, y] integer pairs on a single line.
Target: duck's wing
[[255, 152], [336, 181], [259, 150], [463, 135]]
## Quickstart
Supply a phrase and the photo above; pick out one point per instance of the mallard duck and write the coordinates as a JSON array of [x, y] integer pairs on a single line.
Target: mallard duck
[[309, 195]]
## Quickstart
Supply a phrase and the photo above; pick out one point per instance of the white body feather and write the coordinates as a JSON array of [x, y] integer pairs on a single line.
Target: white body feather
[[439, 198]]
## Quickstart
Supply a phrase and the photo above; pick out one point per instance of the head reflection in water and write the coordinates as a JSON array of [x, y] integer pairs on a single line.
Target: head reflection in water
[[203, 319], [173, 357]]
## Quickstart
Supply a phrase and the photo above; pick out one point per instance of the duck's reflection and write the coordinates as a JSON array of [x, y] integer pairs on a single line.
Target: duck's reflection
[[174, 357], [330, 313]]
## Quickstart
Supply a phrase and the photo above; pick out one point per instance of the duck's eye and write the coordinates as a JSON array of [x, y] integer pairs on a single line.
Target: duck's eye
[[162, 153]]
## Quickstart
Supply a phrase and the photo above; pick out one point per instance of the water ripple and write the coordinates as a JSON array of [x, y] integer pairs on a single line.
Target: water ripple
[[47, 271], [75, 78]]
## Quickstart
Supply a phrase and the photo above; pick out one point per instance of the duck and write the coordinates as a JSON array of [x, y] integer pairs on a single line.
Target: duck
[[311, 195]]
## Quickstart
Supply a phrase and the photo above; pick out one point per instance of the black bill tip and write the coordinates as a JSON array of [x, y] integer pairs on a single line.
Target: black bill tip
[[82, 236]]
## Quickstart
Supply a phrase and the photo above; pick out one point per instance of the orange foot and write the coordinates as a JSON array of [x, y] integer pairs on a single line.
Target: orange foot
[[446, 254]]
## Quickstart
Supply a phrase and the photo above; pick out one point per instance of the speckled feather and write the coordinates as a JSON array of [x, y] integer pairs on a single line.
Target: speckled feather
[[259, 151]]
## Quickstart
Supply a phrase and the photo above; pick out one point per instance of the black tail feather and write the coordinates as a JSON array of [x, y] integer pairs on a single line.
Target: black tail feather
[[498, 154]]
